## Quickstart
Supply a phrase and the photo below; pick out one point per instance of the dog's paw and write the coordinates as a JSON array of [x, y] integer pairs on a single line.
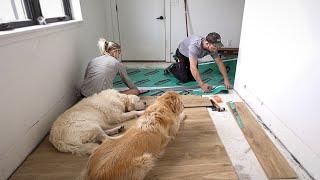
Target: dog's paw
[[140, 113], [182, 116], [121, 129]]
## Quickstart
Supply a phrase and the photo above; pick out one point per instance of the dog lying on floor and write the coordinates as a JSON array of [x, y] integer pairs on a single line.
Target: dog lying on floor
[[134, 154], [81, 128]]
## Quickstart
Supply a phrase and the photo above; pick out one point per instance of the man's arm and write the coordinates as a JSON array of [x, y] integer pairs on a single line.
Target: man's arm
[[223, 71], [196, 75]]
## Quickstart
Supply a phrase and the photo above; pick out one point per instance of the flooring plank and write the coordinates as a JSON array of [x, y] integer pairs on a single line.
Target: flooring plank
[[196, 153], [271, 160], [188, 100], [195, 101]]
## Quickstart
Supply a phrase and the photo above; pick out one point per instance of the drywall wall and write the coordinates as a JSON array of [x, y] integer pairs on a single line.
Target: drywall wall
[[278, 74], [39, 73], [205, 16]]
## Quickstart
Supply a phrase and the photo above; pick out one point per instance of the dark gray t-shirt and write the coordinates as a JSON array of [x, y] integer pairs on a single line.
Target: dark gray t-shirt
[[192, 47], [100, 74]]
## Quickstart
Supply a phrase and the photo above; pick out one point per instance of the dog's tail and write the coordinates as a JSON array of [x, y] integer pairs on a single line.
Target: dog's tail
[[82, 149]]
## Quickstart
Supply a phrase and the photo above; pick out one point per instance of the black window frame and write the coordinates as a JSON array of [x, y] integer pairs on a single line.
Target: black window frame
[[33, 10]]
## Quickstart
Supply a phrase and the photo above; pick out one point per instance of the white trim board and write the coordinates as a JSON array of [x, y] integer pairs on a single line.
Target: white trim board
[[167, 12], [306, 157]]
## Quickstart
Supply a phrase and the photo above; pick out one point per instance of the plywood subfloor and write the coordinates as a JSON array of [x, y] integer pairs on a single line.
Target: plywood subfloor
[[196, 153], [271, 160]]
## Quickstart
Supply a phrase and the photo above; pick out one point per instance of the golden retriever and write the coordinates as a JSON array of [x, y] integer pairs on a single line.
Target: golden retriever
[[80, 129], [134, 154]]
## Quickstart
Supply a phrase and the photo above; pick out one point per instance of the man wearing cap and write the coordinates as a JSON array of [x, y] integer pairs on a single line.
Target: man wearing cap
[[195, 47]]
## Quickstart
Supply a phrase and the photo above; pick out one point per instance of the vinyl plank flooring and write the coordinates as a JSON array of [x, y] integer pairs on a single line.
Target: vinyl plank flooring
[[196, 153], [188, 100], [271, 160]]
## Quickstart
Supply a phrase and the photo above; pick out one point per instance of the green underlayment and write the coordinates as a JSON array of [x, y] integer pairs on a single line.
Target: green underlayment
[[154, 77]]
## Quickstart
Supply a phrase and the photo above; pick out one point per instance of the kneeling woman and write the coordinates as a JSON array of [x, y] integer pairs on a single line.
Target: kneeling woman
[[102, 70]]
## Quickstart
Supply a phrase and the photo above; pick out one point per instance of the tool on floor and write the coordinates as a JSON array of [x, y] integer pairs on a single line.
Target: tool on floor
[[216, 107], [233, 109], [217, 98]]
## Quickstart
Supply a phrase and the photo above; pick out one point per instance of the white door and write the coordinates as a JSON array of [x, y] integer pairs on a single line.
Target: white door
[[141, 29]]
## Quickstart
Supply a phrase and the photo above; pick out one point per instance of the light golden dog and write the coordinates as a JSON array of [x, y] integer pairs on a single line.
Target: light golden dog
[[134, 154], [82, 127]]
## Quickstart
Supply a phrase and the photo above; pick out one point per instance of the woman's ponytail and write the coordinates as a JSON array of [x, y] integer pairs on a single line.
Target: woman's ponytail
[[102, 43], [107, 46]]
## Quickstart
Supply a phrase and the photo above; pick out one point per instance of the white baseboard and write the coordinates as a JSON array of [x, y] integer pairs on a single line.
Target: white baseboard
[[301, 152]]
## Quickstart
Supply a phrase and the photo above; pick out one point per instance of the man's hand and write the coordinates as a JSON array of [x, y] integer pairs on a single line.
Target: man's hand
[[205, 87], [227, 84]]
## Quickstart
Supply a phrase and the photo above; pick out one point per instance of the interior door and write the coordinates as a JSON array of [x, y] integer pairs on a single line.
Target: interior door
[[141, 29]]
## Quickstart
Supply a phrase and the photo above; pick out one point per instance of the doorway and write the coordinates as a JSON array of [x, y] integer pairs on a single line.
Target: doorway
[[142, 30]]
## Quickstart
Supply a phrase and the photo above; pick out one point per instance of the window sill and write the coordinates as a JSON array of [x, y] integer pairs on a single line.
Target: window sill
[[10, 36]]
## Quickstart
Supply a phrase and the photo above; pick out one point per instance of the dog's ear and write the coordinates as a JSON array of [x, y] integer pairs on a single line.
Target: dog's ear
[[132, 101], [173, 101], [125, 100]]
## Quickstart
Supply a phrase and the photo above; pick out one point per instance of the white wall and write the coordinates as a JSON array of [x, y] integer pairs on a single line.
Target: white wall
[[223, 16], [39, 73], [278, 72], [205, 16]]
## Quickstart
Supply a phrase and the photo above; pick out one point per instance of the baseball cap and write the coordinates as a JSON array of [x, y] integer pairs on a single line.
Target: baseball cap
[[214, 38]]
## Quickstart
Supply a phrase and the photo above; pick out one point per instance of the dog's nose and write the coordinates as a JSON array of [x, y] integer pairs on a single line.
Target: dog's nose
[[145, 103]]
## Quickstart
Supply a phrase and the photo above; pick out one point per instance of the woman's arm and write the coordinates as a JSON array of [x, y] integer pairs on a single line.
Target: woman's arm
[[124, 76]]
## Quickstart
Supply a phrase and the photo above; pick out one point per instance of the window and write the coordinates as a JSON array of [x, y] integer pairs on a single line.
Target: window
[[12, 10], [21, 13]]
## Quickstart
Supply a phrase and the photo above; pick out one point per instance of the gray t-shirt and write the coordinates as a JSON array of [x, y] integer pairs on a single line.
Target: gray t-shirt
[[100, 74], [192, 47]]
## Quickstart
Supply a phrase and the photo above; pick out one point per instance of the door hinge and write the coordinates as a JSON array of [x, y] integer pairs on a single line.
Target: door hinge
[[117, 7]]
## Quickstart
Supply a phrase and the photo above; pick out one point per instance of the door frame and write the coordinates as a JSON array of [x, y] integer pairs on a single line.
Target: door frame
[[115, 26]]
